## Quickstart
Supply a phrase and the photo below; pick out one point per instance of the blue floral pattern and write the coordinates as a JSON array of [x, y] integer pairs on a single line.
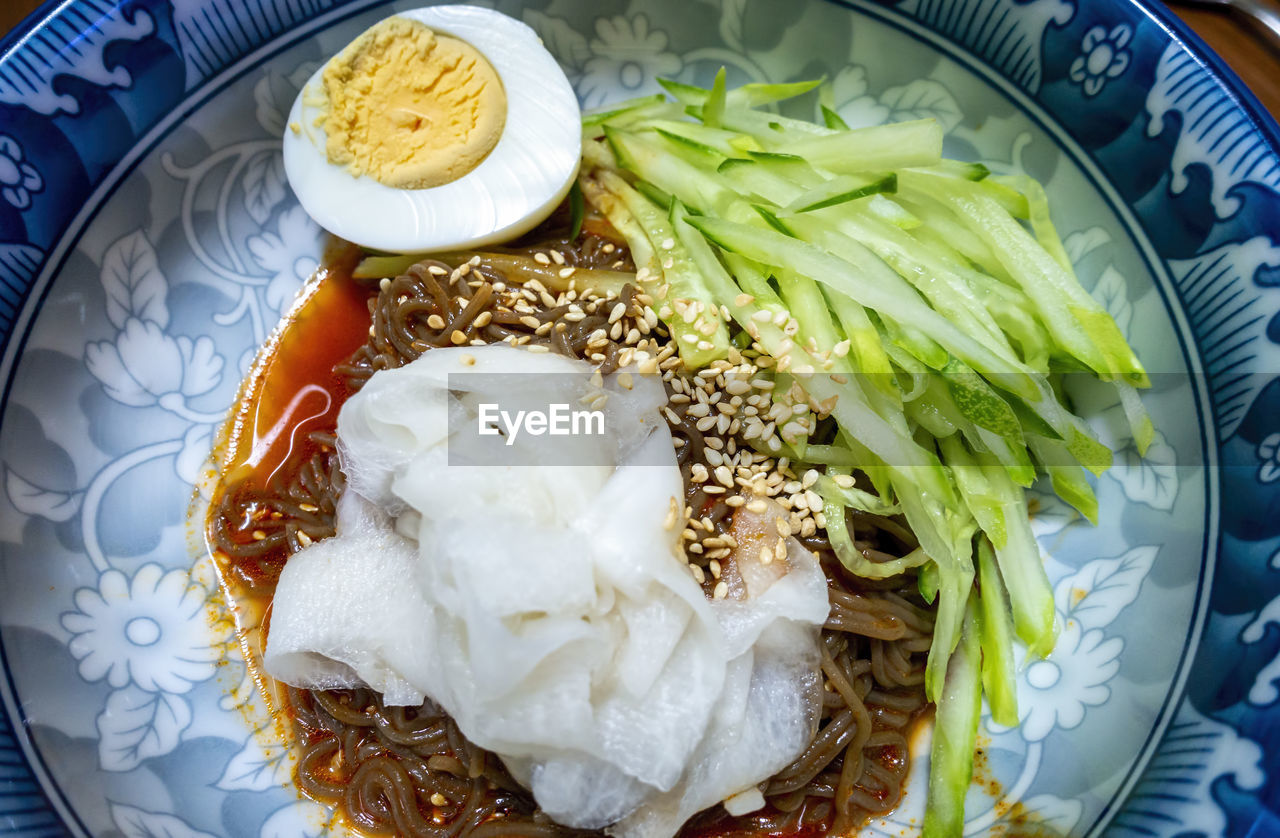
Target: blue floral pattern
[[18, 179], [1102, 56], [113, 639], [1269, 453], [627, 54]]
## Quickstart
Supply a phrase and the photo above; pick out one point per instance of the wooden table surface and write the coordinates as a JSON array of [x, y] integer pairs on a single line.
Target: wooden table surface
[[1256, 61]]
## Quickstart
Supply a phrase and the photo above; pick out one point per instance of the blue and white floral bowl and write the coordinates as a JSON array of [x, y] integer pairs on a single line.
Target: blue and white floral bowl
[[148, 242]]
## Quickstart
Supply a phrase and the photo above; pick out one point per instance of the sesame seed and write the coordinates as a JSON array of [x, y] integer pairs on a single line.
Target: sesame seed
[[468, 360], [721, 590], [780, 550], [783, 528], [705, 424], [698, 575], [757, 506], [766, 555], [436, 270], [814, 501], [714, 567], [538, 348], [624, 380], [438, 799], [565, 273], [457, 338], [557, 257]]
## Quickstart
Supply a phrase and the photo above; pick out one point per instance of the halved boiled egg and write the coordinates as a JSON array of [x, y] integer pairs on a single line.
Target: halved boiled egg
[[440, 128]]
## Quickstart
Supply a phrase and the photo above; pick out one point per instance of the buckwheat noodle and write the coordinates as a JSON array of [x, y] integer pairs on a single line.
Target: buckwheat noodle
[[409, 771]]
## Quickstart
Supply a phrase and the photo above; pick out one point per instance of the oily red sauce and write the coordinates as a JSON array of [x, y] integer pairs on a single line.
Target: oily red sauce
[[298, 391], [292, 393]]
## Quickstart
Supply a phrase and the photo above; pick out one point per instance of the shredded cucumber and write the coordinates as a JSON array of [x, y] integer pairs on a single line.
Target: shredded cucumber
[[940, 302]]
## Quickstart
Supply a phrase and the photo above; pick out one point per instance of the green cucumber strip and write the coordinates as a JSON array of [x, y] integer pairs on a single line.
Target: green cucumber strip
[[716, 139], [628, 113], [1068, 480], [833, 507], [1038, 214], [931, 276], [659, 198], [378, 267], [755, 94], [879, 440], [979, 402], [695, 151], [955, 734], [713, 107], [1000, 507], [927, 414], [879, 148], [1012, 454], [960, 169], [774, 132], [750, 178], [843, 189], [706, 338], [642, 250], [789, 167], [652, 161], [595, 117], [927, 582], [982, 499], [1144, 432], [996, 632], [1077, 322], [685, 94], [887, 293], [865, 345], [748, 95], [576, 210], [853, 496], [833, 119], [891, 212]]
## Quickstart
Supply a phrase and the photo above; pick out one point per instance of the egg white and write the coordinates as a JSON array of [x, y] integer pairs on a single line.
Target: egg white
[[525, 176]]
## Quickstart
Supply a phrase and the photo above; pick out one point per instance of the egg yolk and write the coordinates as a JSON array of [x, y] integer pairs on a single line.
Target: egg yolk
[[411, 107]]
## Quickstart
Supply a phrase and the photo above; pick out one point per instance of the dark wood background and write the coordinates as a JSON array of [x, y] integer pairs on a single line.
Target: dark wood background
[[1256, 61]]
